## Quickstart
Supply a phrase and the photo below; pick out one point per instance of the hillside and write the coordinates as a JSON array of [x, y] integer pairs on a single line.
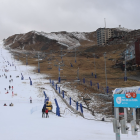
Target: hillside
[[51, 41], [83, 68]]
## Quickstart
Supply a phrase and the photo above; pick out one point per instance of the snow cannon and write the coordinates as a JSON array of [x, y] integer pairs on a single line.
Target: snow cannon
[[49, 106]]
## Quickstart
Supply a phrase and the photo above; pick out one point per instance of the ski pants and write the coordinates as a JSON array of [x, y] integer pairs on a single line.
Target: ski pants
[[47, 116], [43, 114]]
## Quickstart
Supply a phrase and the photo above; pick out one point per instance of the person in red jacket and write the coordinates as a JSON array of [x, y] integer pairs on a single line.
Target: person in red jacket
[[47, 116]]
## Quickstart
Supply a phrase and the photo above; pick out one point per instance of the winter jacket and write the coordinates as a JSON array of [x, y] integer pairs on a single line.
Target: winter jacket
[[43, 109], [46, 111]]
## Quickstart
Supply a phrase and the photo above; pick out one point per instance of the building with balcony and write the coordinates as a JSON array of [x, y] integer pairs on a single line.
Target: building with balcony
[[103, 34]]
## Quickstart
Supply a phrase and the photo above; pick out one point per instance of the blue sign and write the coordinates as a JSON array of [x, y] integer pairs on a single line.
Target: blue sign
[[120, 100]]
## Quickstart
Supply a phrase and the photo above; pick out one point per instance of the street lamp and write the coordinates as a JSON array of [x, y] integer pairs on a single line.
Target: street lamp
[[94, 65], [105, 71]]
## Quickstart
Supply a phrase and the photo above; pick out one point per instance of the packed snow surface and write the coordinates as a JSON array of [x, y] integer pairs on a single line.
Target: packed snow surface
[[24, 120]]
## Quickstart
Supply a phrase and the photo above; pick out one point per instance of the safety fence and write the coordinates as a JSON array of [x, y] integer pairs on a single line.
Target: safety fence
[[104, 99], [22, 78], [107, 90], [89, 83], [75, 106]]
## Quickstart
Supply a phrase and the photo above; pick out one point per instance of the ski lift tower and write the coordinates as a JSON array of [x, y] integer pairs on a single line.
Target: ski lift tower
[[94, 65], [26, 59], [75, 55], [17, 56], [59, 65], [26, 54], [78, 73], [38, 63], [62, 55]]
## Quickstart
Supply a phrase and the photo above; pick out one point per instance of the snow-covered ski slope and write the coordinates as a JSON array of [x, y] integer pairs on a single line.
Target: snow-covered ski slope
[[17, 123]]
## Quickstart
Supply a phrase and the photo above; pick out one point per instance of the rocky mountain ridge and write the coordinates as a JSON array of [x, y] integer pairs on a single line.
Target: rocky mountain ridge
[[34, 40]]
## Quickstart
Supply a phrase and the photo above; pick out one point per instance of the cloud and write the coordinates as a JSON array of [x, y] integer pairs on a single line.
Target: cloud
[[20, 16]]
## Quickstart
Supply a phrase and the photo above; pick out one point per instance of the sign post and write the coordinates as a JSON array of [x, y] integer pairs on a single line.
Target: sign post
[[116, 114], [125, 98]]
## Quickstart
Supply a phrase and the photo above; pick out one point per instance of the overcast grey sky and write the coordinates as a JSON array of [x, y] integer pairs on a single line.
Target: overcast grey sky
[[21, 16]]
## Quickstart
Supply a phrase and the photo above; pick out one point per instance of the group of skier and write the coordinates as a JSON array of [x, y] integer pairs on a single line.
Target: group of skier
[[11, 80], [9, 104], [45, 111]]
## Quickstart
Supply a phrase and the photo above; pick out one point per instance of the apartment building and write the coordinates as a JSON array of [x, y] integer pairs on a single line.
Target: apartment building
[[103, 34]]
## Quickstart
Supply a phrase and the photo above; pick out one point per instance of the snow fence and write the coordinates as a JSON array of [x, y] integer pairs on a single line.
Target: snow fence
[[76, 107]]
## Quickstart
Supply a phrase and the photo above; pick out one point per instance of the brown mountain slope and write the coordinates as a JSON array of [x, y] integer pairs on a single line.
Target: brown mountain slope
[[50, 41]]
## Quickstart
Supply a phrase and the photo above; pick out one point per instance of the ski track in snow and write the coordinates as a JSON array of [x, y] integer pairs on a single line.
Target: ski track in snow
[[17, 123]]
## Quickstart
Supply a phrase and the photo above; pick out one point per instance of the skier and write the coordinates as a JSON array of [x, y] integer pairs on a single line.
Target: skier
[[103, 119], [9, 87], [12, 87], [43, 112], [30, 99], [47, 116], [10, 76], [11, 104], [4, 105]]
